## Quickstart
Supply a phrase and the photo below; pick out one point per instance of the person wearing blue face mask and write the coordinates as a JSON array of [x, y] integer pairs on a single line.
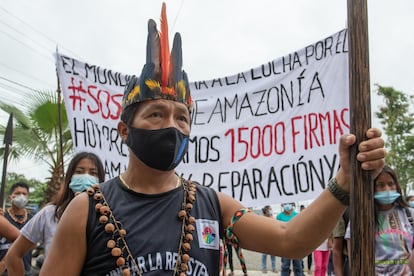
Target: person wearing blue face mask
[[287, 214], [394, 230], [267, 212], [410, 200], [81, 182], [84, 170]]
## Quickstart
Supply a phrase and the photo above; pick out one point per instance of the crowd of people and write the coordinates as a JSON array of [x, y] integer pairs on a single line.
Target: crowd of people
[[393, 212], [84, 169], [150, 221]]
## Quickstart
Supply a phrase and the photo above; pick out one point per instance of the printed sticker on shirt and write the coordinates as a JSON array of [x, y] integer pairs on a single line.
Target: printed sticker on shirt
[[208, 233]]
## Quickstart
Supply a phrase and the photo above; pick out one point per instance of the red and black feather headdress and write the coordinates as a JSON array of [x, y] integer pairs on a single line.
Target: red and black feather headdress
[[162, 76]]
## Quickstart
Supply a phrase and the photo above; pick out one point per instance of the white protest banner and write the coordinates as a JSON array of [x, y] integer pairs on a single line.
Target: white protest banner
[[264, 136]]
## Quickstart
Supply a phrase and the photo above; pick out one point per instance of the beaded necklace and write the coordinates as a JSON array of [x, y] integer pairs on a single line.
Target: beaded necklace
[[17, 218], [117, 243]]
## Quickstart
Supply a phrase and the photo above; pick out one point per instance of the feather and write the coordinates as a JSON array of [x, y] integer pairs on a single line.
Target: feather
[[164, 48], [176, 60], [188, 98], [146, 73], [134, 92], [152, 84], [153, 46]]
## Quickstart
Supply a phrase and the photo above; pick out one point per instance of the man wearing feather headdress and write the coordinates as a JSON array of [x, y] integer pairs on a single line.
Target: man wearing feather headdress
[[150, 221]]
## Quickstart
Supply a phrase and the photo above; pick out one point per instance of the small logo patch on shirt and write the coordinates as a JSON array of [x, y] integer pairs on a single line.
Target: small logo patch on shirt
[[208, 233]]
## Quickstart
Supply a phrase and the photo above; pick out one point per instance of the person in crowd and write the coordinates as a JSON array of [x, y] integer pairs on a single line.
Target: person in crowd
[[229, 257], [321, 257], [410, 200], [84, 169], [309, 257], [150, 221], [267, 212], [339, 250], [7, 231], [18, 216], [288, 214], [393, 226], [330, 264]]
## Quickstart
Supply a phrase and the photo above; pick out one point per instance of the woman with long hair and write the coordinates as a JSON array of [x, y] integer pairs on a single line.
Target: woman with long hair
[[84, 169], [394, 229]]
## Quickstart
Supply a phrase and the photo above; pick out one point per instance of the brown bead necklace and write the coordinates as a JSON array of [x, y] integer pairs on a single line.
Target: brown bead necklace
[[117, 243], [21, 219]]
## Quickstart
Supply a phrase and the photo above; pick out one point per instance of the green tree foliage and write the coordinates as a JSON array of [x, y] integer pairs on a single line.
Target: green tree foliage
[[36, 133], [397, 119]]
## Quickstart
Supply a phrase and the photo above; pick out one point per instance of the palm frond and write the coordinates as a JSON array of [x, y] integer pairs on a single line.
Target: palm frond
[[18, 115]]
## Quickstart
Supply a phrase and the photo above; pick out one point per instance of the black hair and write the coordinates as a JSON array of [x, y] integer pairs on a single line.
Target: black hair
[[409, 197], [19, 184], [266, 209], [67, 194]]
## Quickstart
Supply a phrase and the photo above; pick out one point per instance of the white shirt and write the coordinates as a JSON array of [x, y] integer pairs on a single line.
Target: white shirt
[[41, 227]]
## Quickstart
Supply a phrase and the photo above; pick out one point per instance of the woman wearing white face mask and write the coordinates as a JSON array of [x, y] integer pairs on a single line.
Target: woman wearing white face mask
[[84, 170], [394, 230]]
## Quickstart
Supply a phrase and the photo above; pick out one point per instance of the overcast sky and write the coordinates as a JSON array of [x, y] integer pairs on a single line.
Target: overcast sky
[[220, 38]]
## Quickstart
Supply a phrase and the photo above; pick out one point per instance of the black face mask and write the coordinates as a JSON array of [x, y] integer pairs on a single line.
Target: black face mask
[[161, 149]]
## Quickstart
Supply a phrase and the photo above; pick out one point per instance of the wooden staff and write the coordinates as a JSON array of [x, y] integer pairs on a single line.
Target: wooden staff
[[8, 139], [362, 192], [59, 92]]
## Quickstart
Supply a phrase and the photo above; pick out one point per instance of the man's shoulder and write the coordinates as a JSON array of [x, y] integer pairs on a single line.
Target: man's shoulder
[[109, 184]]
